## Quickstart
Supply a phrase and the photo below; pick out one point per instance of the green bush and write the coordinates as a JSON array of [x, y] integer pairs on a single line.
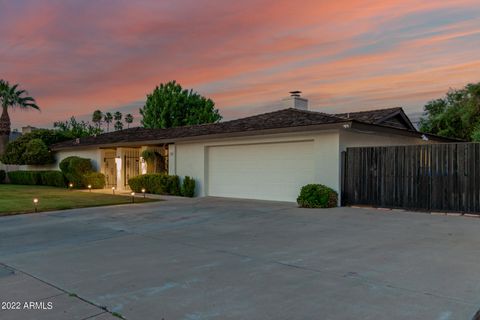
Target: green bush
[[75, 168], [36, 152], [53, 178], [188, 187], [41, 178], [95, 179], [3, 175], [317, 196], [25, 177], [156, 183]]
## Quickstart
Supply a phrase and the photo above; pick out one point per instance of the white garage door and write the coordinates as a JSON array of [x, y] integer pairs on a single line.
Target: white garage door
[[270, 171]]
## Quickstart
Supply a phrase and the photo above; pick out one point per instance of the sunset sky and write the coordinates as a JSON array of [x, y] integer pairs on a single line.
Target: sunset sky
[[78, 56]]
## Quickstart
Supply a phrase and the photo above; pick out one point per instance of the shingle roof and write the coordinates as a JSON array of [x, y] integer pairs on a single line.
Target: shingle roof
[[370, 116], [286, 118]]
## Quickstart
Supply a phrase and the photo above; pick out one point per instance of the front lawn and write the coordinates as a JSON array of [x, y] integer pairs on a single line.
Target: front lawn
[[16, 199]]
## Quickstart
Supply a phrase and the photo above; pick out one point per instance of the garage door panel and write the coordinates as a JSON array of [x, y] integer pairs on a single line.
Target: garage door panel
[[271, 171]]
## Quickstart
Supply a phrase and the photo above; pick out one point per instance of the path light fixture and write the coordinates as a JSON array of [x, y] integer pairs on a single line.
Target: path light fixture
[[143, 190], [113, 190], [133, 197], [70, 186], [90, 187], [35, 204]]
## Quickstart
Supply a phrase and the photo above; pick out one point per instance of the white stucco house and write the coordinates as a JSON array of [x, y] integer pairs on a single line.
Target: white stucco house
[[267, 156]]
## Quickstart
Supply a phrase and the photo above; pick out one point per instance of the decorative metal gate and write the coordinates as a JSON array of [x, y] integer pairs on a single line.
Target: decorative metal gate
[[131, 167]]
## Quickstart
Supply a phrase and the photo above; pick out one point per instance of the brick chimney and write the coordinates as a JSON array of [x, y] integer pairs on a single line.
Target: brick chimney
[[295, 101]]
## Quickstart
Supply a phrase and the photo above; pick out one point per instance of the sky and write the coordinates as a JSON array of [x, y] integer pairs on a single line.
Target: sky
[[75, 57]]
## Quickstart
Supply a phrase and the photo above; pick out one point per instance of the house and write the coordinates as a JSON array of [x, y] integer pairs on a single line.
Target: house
[[267, 156]]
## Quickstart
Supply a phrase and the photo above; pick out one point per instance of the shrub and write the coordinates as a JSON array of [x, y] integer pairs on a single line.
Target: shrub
[[15, 152], [157, 183], [3, 175], [74, 168], [317, 196], [95, 179], [53, 178], [43, 178], [188, 187], [36, 152], [25, 177]]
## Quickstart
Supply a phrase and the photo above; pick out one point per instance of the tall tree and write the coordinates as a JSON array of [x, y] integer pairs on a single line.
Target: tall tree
[[171, 106], [118, 120], [97, 117], [128, 120], [76, 129], [12, 97], [456, 115], [108, 118]]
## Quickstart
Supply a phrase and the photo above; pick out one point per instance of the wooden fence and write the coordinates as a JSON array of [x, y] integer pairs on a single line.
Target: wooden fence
[[434, 177]]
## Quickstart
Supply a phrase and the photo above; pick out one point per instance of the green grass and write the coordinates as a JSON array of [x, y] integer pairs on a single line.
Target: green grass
[[15, 199]]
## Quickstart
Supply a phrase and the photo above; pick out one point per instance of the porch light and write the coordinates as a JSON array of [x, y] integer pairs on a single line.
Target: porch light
[[113, 190], [133, 197], [143, 190], [35, 203]]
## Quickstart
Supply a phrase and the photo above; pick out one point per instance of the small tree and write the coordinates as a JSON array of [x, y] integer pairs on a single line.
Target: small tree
[[36, 152], [171, 106], [108, 118], [128, 120], [97, 117]]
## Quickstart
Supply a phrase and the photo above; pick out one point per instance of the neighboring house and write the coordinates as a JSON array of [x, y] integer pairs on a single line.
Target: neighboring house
[[267, 156]]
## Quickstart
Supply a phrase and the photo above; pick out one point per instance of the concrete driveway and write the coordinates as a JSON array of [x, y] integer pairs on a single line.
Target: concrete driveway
[[231, 259]]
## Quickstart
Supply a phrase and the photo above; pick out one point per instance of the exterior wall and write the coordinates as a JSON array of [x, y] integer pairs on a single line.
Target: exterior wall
[[358, 139], [93, 154], [190, 159]]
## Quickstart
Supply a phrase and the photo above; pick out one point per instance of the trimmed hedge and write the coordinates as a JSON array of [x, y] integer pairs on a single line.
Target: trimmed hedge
[[156, 183], [317, 196], [41, 178], [3, 175], [95, 179], [188, 187], [75, 168]]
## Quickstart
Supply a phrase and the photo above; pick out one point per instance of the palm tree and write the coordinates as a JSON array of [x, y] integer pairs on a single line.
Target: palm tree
[[118, 120], [12, 97], [128, 120], [108, 118], [97, 118]]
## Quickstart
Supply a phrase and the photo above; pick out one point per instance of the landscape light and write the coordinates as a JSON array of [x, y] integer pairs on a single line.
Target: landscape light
[[90, 187], [113, 190], [35, 203], [133, 197], [70, 186], [143, 190]]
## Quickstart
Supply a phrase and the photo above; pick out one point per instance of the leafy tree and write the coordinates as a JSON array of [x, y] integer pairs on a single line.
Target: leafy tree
[[108, 118], [171, 106], [97, 118], [456, 115], [12, 97], [36, 152], [118, 120], [21, 151], [76, 129], [128, 120]]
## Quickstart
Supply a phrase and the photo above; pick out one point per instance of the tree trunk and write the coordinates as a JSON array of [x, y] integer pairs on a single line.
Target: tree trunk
[[4, 130]]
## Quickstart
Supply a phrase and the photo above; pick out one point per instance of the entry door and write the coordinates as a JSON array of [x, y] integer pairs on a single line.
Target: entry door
[[269, 171]]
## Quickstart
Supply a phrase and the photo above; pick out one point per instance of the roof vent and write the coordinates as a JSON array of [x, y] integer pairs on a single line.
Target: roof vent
[[296, 101]]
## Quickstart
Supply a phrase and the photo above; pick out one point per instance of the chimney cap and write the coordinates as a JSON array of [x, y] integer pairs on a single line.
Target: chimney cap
[[295, 93]]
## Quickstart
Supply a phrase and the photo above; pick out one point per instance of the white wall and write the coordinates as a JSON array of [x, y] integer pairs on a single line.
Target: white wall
[[191, 158], [351, 138]]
